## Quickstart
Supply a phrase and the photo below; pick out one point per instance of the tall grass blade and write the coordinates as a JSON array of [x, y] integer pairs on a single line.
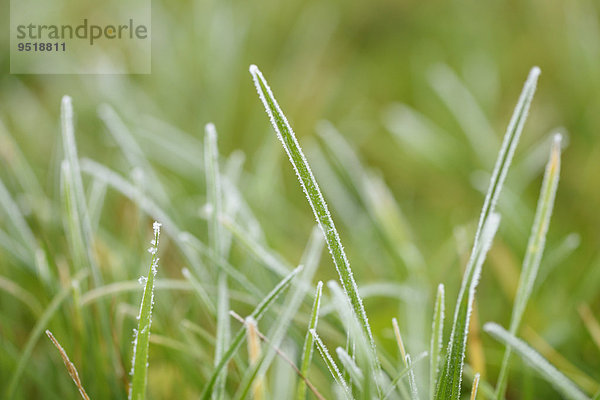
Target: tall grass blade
[[139, 364], [437, 336], [533, 256], [331, 365], [70, 366], [239, 337], [315, 198], [448, 386], [450, 379], [509, 144], [307, 348], [74, 182], [546, 370], [215, 236]]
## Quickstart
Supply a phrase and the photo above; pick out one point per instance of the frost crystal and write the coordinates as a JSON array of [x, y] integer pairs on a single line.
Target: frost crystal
[[142, 280]]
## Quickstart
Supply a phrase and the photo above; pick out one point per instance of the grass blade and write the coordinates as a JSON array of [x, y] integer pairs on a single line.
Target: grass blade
[[239, 337], [331, 365], [307, 348], [70, 366], [315, 198], [448, 386], [414, 394], [539, 363], [475, 386], [533, 256], [437, 336], [356, 375], [139, 368], [215, 235], [451, 376], [72, 177], [402, 374]]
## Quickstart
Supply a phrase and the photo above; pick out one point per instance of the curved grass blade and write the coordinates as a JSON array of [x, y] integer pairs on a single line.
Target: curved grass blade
[[533, 256], [139, 364], [315, 199], [546, 370], [448, 385], [451, 376], [215, 236], [70, 366], [307, 348], [239, 337]]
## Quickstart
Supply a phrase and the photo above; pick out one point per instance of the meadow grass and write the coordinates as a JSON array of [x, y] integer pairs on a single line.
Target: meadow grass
[[232, 271]]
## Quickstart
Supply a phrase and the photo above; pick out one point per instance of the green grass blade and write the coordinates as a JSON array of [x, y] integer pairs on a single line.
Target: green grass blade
[[533, 256], [37, 330], [307, 348], [402, 374], [437, 336], [241, 334], [546, 370], [139, 364], [215, 236], [448, 385], [450, 378], [315, 198], [331, 365], [414, 394], [75, 183], [509, 144]]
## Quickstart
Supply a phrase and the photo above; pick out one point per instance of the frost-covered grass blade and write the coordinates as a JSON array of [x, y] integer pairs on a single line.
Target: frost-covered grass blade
[[533, 256], [331, 365], [553, 376], [307, 348], [449, 382], [139, 363], [315, 198]]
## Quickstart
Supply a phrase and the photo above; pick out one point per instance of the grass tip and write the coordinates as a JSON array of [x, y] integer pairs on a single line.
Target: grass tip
[[253, 69], [535, 72]]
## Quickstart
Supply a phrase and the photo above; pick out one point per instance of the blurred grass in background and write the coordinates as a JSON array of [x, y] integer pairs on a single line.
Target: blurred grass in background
[[421, 90]]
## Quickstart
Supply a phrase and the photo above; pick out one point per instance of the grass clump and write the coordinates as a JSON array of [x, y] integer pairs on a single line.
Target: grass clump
[[231, 267]]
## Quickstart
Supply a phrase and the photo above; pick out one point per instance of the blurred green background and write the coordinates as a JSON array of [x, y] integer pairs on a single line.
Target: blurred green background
[[421, 90]]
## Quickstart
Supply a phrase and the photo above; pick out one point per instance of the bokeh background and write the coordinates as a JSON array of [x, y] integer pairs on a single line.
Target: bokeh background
[[420, 92]]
